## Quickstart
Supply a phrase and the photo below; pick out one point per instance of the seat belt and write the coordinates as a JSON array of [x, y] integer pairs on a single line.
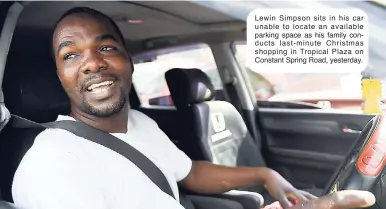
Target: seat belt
[[107, 140]]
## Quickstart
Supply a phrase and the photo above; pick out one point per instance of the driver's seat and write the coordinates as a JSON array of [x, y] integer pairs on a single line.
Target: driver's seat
[[4, 118], [213, 130]]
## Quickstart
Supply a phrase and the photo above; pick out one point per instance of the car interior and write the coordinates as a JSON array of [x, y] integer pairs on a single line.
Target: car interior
[[230, 144], [305, 144]]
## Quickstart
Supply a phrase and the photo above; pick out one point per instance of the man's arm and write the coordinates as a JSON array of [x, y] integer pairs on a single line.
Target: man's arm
[[208, 178]]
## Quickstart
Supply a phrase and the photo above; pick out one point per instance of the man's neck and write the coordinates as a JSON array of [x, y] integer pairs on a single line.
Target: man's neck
[[114, 124]]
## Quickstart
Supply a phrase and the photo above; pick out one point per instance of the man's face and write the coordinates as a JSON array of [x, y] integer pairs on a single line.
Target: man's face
[[92, 64]]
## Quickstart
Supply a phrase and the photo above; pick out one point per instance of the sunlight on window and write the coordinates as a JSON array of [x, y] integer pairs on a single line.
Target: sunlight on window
[[342, 91], [150, 68]]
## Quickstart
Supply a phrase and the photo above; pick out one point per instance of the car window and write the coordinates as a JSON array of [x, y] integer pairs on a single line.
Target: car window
[[150, 68], [338, 91]]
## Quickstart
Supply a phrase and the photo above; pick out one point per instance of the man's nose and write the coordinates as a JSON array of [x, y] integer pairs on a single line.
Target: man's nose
[[93, 63]]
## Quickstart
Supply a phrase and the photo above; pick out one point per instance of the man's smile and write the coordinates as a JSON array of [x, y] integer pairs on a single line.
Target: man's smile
[[103, 91], [101, 88]]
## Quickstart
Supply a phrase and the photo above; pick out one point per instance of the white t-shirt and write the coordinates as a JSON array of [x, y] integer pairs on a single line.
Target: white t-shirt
[[64, 171]]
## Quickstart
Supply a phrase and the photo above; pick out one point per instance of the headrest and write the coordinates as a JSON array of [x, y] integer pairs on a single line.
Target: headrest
[[36, 96], [189, 86], [33, 90]]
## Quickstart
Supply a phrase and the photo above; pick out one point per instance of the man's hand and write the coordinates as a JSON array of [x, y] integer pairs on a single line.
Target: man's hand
[[347, 199], [282, 190], [207, 178]]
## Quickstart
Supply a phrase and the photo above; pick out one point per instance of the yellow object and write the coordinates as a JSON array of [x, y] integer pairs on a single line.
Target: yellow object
[[335, 188], [372, 94], [381, 3]]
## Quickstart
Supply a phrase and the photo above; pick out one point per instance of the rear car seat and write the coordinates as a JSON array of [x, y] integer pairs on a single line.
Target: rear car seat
[[214, 130]]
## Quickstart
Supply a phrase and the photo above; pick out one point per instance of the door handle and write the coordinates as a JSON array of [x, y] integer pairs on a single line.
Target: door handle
[[346, 129]]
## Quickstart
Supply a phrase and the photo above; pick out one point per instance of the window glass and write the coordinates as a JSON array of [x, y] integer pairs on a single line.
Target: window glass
[[338, 91], [342, 91], [150, 68]]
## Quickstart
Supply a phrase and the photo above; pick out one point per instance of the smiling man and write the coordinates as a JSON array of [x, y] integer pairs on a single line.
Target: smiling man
[[63, 171]]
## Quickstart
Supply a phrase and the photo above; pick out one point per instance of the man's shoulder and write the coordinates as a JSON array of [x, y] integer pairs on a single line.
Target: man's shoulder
[[54, 134], [140, 117], [50, 148], [56, 141]]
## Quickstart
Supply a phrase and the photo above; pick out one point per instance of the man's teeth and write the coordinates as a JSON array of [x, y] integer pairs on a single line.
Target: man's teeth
[[105, 83]]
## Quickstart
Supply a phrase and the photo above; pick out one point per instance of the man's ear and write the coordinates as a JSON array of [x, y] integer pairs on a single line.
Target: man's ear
[[57, 74], [131, 61]]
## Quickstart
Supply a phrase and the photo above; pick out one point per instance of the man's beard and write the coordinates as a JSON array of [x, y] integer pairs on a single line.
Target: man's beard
[[107, 111]]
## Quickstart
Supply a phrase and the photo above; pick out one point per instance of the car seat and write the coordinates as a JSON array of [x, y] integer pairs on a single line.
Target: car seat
[[213, 130]]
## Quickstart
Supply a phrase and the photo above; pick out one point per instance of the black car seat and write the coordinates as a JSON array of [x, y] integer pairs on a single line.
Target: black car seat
[[33, 91], [213, 130], [4, 119]]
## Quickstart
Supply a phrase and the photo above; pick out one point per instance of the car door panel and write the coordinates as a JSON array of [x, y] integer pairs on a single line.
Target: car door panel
[[306, 146]]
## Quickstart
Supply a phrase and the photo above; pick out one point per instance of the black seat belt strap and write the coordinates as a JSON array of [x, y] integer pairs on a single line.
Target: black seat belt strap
[[107, 140]]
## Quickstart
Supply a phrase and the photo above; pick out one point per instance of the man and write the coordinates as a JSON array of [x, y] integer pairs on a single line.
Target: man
[[62, 170]]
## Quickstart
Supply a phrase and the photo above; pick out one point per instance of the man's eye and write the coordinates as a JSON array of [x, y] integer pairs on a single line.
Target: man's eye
[[69, 56], [108, 48]]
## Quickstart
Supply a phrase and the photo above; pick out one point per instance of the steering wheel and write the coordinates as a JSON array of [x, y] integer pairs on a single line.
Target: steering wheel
[[364, 167]]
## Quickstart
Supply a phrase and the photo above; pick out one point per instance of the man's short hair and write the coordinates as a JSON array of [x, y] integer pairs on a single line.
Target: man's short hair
[[89, 11]]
